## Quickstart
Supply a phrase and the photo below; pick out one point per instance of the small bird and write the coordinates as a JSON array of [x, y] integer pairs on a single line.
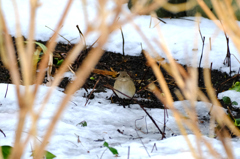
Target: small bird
[[124, 84]]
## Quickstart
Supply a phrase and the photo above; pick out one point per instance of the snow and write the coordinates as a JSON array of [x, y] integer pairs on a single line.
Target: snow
[[104, 118], [179, 34]]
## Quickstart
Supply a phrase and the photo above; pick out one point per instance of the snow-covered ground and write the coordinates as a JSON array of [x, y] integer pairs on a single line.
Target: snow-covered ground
[[104, 118]]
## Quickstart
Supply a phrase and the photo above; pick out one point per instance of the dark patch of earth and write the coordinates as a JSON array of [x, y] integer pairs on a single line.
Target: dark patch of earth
[[138, 70]]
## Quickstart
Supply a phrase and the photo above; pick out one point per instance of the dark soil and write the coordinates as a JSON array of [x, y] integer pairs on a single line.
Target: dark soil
[[137, 69]]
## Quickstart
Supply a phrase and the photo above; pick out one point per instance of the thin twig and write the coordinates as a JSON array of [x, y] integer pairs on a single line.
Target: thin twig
[[146, 123], [203, 42], [235, 57], [81, 34], [185, 19], [150, 23], [6, 91], [230, 114], [94, 43], [163, 135], [3, 133], [228, 56], [227, 59], [136, 125], [128, 152], [164, 125], [143, 145], [92, 90], [103, 153], [123, 42], [161, 20], [59, 35], [154, 145], [210, 43]]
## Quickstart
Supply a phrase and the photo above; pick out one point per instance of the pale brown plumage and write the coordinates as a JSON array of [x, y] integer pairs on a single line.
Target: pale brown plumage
[[124, 84]]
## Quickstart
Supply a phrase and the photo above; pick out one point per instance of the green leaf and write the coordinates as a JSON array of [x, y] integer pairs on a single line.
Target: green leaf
[[42, 46], [37, 53], [36, 57], [226, 100], [235, 86], [60, 62], [49, 155], [39, 59], [83, 123], [92, 78], [105, 144], [6, 150], [113, 150], [234, 103], [237, 122]]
